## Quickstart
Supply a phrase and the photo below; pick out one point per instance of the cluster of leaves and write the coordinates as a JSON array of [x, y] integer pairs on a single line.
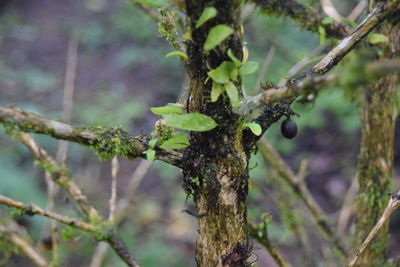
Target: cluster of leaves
[[164, 135]]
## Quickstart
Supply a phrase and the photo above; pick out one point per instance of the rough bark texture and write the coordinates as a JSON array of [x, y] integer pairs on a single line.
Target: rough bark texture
[[218, 179], [375, 162]]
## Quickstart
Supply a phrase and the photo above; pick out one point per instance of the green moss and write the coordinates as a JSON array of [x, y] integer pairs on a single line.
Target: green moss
[[111, 142], [7, 248], [166, 27]]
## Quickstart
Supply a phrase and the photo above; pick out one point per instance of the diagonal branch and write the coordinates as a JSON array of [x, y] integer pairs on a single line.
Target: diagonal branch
[[290, 88], [260, 233], [60, 175], [24, 245], [300, 189], [31, 209], [308, 17], [394, 204], [108, 142]]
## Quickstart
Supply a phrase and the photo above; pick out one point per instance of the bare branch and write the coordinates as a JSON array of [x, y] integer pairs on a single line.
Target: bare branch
[[288, 89], [24, 245], [108, 142], [114, 185], [394, 204], [260, 233], [33, 209], [330, 10], [306, 16], [60, 175], [300, 189]]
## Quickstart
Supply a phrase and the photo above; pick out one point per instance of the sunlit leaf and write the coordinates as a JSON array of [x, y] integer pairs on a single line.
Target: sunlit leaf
[[216, 36], [222, 74], [177, 53], [167, 109], [152, 142], [150, 154], [216, 90], [254, 127], [248, 68], [233, 94], [191, 122], [327, 20], [322, 34], [234, 59], [349, 21], [207, 14], [178, 142], [377, 38]]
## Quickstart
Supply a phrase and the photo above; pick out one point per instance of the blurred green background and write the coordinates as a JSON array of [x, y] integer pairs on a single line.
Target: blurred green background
[[121, 73]]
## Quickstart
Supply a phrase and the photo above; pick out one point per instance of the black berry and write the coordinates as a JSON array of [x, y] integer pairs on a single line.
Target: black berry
[[289, 128]]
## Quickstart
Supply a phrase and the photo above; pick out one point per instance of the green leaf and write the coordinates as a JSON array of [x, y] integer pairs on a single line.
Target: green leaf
[[191, 122], [153, 142], [150, 155], [233, 94], [322, 34], [377, 38], [216, 90], [207, 14], [248, 68], [177, 53], [222, 74], [216, 36], [254, 127], [327, 20], [154, 3], [234, 59], [178, 142], [233, 74], [167, 109], [350, 22]]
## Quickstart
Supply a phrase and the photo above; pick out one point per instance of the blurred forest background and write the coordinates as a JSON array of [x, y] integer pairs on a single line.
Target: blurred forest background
[[121, 72]]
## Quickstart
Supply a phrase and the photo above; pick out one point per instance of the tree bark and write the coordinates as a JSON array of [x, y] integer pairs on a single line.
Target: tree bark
[[374, 170], [219, 175]]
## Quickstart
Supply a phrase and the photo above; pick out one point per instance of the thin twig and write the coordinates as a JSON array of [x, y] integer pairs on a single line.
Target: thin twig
[[114, 185], [33, 209], [330, 10], [264, 69], [288, 89], [261, 235], [298, 187], [358, 10], [60, 175], [347, 207], [69, 88], [124, 204], [393, 205], [25, 246]]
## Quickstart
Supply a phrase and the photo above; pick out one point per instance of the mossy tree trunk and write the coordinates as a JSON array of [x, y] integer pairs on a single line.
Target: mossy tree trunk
[[374, 170], [219, 175]]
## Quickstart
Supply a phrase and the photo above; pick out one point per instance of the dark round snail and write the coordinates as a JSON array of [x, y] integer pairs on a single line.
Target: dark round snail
[[289, 128]]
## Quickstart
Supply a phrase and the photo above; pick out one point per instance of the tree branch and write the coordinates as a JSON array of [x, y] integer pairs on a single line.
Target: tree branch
[[260, 233], [394, 204], [31, 209], [60, 175], [24, 246], [108, 142], [306, 16], [313, 79], [300, 189]]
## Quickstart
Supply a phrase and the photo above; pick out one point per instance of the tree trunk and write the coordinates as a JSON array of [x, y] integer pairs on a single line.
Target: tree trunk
[[219, 175], [374, 170]]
